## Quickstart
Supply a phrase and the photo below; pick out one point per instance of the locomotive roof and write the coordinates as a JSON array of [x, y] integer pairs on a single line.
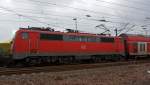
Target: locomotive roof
[[65, 33]]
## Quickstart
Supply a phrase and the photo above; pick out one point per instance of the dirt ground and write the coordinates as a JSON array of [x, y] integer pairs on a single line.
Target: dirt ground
[[117, 75]]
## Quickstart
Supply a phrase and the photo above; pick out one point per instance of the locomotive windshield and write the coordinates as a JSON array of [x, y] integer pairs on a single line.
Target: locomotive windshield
[[25, 35]]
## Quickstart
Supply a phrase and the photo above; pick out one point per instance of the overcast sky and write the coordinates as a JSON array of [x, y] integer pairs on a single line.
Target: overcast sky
[[59, 14]]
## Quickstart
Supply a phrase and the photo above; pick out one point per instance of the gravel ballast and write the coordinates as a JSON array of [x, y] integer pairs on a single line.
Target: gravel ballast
[[116, 75]]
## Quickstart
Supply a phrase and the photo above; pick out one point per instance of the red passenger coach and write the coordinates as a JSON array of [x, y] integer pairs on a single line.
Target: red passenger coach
[[51, 46], [137, 45]]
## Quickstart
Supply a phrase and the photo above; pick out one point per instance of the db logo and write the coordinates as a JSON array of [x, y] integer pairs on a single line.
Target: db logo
[[83, 47]]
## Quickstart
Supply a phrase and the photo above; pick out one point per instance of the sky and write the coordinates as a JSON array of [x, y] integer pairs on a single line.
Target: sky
[[128, 16]]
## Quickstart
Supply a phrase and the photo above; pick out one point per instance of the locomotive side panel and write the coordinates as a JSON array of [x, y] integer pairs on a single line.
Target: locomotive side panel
[[66, 47], [78, 48]]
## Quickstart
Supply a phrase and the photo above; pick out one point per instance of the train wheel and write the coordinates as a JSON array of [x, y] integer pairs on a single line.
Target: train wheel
[[31, 61]]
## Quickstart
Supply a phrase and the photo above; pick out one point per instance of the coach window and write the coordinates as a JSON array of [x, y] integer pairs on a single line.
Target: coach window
[[142, 47], [106, 39], [25, 35]]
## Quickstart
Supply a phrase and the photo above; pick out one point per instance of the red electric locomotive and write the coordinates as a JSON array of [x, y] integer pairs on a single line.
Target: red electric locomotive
[[37, 45], [47, 45]]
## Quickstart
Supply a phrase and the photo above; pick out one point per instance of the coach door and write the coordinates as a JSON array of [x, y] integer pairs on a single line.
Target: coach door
[[34, 43], [142, 47]]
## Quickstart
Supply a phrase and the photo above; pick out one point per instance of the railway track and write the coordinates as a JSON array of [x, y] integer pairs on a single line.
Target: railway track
[[59, 68]]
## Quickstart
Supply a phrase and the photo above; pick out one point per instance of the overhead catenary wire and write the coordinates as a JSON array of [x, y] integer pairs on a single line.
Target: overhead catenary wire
[[71, 17], [86, 10], [34, 20], [27, 21], [119, 10], [109, 7], [22, 15], [115, 17], [141, 11], [130, 29], [95, 20], [123, 5], [76, 8], [124, 18], [28, 17], [112, 3], [138, 2]]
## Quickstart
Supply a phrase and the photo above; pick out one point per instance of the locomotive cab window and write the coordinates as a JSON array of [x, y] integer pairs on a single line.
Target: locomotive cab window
[[107, 40], [25, 35], [51, 37]]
